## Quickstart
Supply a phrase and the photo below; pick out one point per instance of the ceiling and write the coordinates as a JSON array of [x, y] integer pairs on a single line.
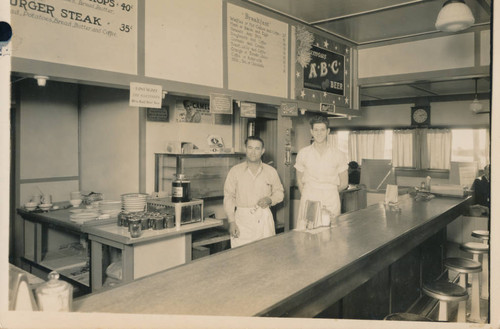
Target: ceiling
[[367, 22]]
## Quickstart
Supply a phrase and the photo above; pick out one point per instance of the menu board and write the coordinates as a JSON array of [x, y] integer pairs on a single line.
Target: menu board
[[257, 52], [98, 34]]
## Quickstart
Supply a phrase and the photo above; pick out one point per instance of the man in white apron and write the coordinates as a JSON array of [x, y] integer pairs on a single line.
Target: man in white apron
[[251, 187], [321, 172]]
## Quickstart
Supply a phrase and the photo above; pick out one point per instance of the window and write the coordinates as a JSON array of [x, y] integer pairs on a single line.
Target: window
[[470, 145]]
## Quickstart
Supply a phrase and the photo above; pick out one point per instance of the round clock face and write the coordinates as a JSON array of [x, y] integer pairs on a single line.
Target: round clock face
[[420, 115]]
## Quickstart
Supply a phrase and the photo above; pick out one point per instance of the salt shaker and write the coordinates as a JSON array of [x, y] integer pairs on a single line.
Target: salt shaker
[[55, 295]]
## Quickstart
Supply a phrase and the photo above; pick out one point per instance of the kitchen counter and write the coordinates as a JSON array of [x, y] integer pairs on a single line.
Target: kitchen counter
[[153, 251], [297, 273], [119, 234]]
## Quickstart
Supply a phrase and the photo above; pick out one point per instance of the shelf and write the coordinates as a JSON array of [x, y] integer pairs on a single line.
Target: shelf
[[70, 263]]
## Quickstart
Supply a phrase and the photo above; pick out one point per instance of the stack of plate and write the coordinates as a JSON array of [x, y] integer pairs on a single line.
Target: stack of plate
[[110, 207], [134, 202], [83, 215]]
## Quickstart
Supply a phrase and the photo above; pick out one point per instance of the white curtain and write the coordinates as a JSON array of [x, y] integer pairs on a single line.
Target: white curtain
[[403, 148], [366, 144], [332, 139], [436, 148]]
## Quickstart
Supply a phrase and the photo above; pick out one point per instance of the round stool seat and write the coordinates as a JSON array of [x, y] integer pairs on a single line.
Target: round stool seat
[[462, 265], [445, 291], [481, 234], [406, 317], [475, 247]]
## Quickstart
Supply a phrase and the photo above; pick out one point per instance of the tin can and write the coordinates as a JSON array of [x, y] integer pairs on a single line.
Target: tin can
[[169, 221]]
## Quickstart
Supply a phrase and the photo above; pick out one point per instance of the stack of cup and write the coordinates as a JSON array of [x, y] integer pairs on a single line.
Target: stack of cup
[[75, 198]]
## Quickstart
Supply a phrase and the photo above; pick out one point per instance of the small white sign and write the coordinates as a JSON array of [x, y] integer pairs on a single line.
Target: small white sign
[[248, 110], [145, 95]]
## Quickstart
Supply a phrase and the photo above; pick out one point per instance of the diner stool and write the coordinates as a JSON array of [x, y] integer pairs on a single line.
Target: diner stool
[[406, 317], [481, 234], [465, 266], [478, 251], [445, 292]]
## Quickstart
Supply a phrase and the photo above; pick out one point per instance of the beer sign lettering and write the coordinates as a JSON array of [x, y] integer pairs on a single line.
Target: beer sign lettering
[[325, 72]]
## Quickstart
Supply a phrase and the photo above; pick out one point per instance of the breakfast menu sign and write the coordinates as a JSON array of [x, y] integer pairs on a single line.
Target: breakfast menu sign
[[257, 48], [80, 33]]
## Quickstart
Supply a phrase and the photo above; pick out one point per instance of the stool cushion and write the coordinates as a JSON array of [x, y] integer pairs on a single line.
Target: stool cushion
[[475, 247], [481, 234], [462, 265], [406, 317], [445, 291]]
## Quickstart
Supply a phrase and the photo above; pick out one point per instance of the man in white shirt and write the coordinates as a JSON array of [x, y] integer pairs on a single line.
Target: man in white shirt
[[321, 172], [251, 187]]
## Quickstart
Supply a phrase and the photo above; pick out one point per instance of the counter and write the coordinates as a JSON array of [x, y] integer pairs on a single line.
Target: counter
[[296, 273], [50, 239]]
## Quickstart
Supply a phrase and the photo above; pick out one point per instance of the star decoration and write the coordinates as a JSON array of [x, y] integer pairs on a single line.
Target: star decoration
[[336, 47], [297, 74], [333, 102], [325, 44], [314, 96], [345, 72], [324, 94], [302, 93], [347, 50], [347, 100]]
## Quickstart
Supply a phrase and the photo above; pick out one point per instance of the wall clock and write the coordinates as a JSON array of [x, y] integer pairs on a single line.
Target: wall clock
[[420, 116]]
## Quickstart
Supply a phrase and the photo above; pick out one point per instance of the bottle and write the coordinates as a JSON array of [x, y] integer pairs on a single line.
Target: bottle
[[428, 183], [180, 189], [54, 295]]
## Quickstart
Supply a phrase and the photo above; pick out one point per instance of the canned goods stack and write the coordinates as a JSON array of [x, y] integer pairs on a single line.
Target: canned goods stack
[[136, 222]]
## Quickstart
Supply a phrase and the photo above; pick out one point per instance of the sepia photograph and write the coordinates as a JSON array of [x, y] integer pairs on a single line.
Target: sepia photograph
[[248, 164]]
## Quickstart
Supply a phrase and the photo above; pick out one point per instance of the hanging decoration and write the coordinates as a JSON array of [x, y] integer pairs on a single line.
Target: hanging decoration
[[305, 40]]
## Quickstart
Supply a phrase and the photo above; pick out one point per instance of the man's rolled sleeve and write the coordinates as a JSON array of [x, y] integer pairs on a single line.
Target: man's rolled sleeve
[[277, 193]]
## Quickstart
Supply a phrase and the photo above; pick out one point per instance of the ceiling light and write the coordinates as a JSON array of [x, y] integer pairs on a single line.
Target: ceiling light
[[476, 106], [41, 80], [454, 16]]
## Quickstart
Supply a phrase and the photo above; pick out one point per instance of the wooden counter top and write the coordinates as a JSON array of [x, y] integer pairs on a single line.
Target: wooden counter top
[[121, 234], [292, 274]]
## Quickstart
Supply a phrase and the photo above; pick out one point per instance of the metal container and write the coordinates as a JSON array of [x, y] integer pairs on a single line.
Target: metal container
[[54, 295], [158, 222]]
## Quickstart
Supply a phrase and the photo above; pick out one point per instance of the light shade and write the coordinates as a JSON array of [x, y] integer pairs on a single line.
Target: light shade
[[454, 16], [41, 80], [476, 106]]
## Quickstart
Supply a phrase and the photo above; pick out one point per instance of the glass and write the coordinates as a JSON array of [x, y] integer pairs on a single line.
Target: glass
[[46, 199], [135, 228]]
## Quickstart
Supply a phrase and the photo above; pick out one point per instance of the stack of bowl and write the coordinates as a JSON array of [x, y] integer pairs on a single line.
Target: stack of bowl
[[134, 202], [110, 207]]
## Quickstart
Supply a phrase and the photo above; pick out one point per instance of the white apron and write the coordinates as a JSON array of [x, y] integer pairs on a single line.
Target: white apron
[[253, 226], [327, 194]]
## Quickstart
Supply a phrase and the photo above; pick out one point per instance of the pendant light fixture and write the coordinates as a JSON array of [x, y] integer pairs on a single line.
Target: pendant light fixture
[[476, 106], [454, 16]]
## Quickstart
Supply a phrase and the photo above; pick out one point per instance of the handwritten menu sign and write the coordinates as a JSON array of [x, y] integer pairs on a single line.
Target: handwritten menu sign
[[221, 104], [325, 72], [86, 33], [145, 95], [257, 52]]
